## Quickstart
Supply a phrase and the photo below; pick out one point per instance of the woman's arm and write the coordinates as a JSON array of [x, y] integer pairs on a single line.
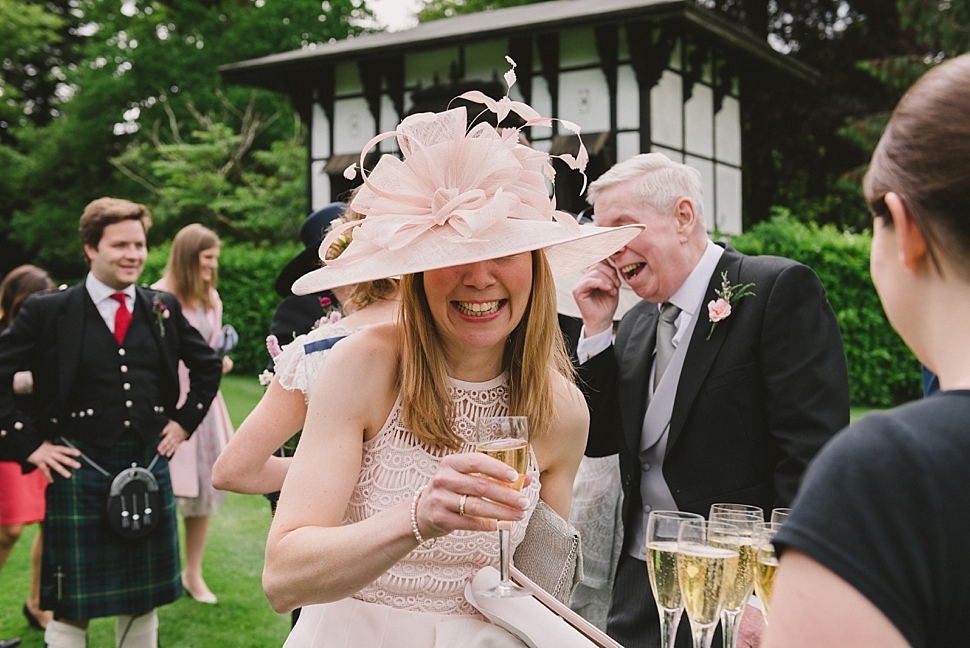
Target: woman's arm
[[310, 557], [247, 464], [560, 452]]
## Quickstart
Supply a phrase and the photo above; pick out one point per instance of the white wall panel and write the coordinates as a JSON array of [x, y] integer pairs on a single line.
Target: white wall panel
[[542, 102], [319, 185], [627, 145], [676, 156], [666, 111], [727, 131], [577, 47], [706, 167], [353, 125], [728, 199], [627, 98], [699, 129], [585, 99], [320, 128]]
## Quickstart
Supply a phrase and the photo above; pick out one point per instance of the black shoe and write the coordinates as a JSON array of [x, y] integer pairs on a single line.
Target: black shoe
[[10, 643], [31, 619]]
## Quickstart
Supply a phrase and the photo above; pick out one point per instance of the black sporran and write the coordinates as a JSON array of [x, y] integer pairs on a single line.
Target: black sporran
[[134, 505]]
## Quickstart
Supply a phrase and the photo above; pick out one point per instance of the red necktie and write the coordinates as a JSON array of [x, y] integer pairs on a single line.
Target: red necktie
[[122, 317]]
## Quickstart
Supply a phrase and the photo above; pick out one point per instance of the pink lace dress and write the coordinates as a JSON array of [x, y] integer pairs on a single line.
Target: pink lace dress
[[401, 608]]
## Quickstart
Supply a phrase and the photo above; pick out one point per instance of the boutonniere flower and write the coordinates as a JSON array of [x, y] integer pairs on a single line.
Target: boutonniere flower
[[720, 309], [161, 311], [331, 313]]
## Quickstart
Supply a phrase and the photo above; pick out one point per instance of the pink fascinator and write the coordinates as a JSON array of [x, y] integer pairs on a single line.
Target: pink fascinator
[[460, 195]]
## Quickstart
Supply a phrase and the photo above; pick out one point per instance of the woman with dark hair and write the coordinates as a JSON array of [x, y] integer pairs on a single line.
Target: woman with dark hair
[[191, 275], [22, 500], [876, 551], [383, 518]]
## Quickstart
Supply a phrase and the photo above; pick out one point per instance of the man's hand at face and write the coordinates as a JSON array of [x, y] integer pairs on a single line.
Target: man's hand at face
[[172, 435], [598, 294]]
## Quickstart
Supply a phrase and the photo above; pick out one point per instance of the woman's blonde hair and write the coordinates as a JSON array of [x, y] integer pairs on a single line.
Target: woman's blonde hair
[[183, 269], [367, 292], [534, 354]]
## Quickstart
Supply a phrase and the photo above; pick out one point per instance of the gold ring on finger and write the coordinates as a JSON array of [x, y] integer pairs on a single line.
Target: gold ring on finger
[[461, 504]]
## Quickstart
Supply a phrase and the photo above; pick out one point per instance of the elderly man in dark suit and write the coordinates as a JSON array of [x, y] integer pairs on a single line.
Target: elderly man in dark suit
[[104, 356], [721, 384]]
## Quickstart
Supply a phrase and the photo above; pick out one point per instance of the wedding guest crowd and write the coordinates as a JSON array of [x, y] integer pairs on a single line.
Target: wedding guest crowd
[[104, 356]]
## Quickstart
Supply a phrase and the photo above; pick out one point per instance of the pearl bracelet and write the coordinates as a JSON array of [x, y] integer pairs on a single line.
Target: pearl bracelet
[[424, 544]]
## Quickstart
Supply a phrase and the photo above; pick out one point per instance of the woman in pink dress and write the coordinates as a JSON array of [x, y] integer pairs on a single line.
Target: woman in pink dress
[[22, 497], [191, 275]]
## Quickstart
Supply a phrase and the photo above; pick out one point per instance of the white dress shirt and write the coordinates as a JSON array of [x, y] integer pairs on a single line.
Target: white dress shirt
[[106, 305]]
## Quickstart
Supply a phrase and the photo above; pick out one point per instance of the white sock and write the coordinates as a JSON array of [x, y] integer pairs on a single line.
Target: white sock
[[63, 635], [142, 631]]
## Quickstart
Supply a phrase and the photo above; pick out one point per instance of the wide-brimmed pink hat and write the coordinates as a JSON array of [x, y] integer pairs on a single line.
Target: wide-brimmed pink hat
[[459, 196]]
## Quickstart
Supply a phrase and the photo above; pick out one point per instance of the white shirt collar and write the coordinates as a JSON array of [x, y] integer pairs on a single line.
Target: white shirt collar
[[100, 292], [691, 293]]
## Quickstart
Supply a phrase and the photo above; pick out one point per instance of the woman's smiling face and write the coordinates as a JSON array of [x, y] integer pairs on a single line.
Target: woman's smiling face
[[478, 305]]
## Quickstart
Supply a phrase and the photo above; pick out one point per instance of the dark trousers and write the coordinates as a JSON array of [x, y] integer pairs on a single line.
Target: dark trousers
[[633, 619]]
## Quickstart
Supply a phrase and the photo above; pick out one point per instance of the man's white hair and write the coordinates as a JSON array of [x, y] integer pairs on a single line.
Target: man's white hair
[[658, 182]]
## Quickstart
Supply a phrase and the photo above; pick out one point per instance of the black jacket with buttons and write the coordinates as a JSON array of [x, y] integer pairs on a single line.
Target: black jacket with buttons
[[48, 337]]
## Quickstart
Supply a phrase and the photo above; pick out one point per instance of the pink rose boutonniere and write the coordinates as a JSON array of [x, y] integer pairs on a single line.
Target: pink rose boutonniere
[[331, 313], [161, 311], [720, 309]]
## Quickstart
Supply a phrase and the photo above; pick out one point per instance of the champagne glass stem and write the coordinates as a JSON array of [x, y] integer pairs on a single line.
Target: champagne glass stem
[[669, 621], [504, 549], [730, 621], [702, 636]]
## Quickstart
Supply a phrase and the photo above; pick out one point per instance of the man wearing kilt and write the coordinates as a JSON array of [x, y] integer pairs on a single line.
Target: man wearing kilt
[[104, 356]]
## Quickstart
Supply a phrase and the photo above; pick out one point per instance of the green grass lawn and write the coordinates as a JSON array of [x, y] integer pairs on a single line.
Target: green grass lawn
[[233, 565]]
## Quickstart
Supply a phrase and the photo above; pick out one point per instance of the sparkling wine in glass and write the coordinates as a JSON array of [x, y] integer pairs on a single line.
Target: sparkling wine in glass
[[750, 528], [725, 507], [707, 564], [505, 438], [662, 529], [767, 565]]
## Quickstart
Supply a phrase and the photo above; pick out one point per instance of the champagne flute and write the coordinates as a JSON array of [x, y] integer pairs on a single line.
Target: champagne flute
[[662, 528], [780, 515], [767, 564], [707, 564], [750, 528], [505, 438], [736, 508]]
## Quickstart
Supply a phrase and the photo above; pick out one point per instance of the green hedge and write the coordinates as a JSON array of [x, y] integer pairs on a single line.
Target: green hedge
[[246, 276], [882, 371]]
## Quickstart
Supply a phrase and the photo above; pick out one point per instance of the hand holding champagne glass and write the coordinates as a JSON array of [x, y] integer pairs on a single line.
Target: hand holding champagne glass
[[662, 529], [707, 564], [505, 438]]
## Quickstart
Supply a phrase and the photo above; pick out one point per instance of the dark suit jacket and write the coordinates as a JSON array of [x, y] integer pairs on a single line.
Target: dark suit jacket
[[754, 403], [45, 338]]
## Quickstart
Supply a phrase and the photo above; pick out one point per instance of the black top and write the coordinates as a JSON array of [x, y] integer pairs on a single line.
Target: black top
[[886, 506]]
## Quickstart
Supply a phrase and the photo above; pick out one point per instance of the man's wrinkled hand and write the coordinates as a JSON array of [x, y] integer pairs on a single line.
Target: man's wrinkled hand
[[50, 458], [172, 435]]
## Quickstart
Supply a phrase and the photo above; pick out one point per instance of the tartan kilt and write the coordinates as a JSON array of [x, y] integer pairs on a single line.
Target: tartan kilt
[[87, 571]]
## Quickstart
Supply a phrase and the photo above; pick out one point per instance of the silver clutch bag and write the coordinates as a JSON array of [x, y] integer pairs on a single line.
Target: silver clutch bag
[[551, 554]]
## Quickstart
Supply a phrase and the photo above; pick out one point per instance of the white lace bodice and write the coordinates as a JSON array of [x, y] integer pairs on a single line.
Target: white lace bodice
[[298, 369], [394, 465]]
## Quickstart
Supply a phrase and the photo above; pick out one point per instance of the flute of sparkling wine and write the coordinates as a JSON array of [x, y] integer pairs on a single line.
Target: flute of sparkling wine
[[661, 549], [767, 564], [750, 527], [505, 438], [707, 563]]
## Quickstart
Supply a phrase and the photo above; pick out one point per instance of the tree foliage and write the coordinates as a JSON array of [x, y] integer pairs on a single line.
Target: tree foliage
[[143, 68]]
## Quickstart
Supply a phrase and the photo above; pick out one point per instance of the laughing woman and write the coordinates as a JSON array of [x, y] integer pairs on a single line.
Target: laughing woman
[[382, 518]]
